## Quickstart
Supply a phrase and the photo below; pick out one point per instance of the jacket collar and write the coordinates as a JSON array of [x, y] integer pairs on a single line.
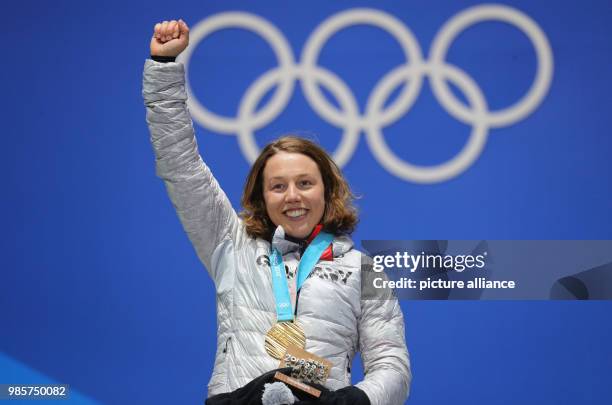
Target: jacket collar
[[285, 244]]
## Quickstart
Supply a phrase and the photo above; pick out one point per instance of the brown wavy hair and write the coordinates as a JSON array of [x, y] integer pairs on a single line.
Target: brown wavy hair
[[339, 217]]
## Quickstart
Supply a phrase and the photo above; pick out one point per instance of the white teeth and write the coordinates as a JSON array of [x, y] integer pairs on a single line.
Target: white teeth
[[295, 213]]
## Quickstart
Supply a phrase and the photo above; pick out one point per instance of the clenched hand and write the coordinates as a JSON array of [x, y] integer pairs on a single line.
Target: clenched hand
[[169, 38]]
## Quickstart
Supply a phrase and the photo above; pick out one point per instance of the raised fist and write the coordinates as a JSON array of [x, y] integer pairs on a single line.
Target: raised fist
[[169, 38]]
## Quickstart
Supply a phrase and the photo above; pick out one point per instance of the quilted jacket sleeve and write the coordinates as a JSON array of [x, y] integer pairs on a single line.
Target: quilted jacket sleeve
[[203, 208], [383, 350]]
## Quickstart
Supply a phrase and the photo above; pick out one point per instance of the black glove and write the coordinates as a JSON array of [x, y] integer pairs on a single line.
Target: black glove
[[250, 394], [350, 395]]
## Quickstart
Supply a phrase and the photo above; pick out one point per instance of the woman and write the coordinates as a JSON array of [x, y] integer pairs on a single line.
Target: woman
[[293, 194]]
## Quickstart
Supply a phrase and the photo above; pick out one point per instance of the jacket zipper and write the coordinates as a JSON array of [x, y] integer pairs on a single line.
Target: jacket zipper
[[226, 344], [348, 368], [226, 361], [297, 301]]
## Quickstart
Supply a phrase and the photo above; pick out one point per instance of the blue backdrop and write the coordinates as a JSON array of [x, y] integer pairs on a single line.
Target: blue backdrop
[[100, 287]]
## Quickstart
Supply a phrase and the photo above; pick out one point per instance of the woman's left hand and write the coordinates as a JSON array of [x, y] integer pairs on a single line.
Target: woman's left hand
[[350, 395]]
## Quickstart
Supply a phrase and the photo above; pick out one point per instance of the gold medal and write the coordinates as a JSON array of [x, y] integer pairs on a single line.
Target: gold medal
[[283, 335]]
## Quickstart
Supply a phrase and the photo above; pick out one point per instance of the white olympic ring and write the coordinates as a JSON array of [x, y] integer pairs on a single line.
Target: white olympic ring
[[377, 115]]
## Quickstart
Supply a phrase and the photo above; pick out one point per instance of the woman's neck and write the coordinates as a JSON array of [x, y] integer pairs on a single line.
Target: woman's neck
[[306, 240]]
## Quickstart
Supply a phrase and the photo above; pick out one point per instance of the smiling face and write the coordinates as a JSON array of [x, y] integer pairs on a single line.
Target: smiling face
[[294, 193]]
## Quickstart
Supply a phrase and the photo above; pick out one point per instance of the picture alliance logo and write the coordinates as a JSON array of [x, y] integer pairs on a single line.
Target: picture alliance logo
[[379, 113]]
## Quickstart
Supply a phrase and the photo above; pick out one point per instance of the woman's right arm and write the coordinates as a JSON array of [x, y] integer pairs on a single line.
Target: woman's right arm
[[203, 208]]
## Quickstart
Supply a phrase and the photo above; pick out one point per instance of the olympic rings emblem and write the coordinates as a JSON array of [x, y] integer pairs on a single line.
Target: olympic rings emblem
[[377, 115]]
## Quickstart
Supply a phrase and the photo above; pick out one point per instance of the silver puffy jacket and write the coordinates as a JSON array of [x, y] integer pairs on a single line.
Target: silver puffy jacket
[[336, 321]]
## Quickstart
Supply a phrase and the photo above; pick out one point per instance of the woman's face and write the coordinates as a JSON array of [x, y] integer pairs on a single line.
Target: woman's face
[[294, 193]]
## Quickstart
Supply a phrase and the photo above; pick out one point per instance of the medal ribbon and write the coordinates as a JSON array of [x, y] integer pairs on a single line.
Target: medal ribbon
[[284, 311]]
